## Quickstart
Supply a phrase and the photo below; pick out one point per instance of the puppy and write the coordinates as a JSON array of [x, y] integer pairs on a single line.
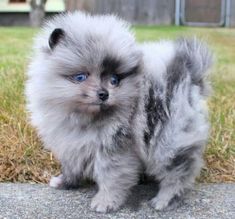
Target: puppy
[[109, 108]]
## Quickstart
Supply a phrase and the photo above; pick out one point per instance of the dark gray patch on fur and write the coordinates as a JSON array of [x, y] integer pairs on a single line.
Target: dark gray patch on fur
[[134, 107], [132, 71], [122, 137], [176, 72], [183, 159], [121, 142], [88, 163], [175, 202], [155, 113], [189, 65], [188, 125], [192, 59], [196, 60], [70, 181], [145, 179], [110, 65]]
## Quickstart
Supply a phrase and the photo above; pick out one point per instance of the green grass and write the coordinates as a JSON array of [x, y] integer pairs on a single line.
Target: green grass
[[21, 155]]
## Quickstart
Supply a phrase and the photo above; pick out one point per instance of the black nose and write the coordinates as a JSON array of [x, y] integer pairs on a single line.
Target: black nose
[[103, 94]]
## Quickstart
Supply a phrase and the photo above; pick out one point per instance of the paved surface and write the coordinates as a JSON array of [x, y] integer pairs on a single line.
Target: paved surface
[[39, 201]]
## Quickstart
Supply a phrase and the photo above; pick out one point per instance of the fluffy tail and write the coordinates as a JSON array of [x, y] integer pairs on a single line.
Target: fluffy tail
[[197, 59]]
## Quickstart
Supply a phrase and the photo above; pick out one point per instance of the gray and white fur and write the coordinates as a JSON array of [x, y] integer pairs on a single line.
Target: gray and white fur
[[154, 120]]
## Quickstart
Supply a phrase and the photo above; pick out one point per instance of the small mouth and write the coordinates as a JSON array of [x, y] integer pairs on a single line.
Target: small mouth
[[104, 106], [95, 104], [94, 107]]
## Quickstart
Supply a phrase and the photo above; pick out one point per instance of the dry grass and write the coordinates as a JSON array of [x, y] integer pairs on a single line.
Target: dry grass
[[21, 155]]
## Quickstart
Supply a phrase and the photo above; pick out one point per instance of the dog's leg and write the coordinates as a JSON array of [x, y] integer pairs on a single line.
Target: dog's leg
[[76, 165], [178, 177], [115, 175], [64, 181]]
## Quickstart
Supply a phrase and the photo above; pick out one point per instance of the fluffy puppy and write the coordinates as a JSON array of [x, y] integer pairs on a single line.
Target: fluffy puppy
[[109, 108]]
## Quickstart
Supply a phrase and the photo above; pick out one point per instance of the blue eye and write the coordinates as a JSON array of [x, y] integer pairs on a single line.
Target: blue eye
[[114, 80], [80, 77]]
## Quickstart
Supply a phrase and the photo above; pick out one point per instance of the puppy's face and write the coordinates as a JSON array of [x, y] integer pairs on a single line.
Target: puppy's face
[[92, 75]]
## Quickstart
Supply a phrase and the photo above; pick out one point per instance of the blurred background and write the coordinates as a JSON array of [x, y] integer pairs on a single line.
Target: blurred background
[[215, 13]]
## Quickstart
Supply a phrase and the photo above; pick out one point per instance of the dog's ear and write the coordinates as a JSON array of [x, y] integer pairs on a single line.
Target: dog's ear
[[56, 35]]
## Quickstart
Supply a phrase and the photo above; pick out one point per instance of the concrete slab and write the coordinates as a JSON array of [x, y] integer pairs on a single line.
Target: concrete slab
[[40, 201]]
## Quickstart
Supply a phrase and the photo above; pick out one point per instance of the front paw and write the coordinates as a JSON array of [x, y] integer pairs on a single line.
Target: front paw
[[56, 182], [164, 204], [103, 202], [159, 204]]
